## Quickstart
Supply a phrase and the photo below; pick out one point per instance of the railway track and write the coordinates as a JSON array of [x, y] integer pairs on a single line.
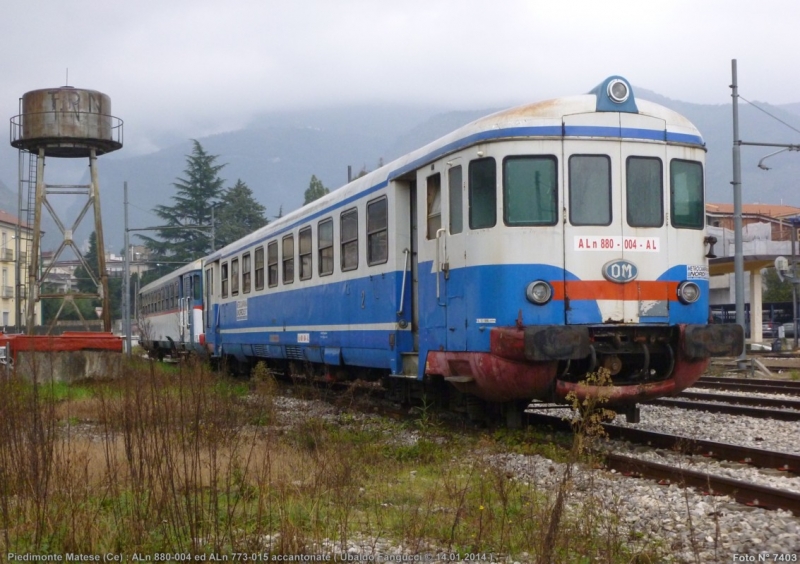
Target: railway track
[[742, 491], [730, 409], [754, 385], [757, 401]]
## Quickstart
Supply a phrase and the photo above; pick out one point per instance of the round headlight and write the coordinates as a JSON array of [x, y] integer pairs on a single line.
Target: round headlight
[[618, 91], [688, 292], [539, 292]]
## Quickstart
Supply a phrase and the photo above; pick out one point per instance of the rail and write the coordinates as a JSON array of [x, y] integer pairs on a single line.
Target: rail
[[743, 492], [756, 457]]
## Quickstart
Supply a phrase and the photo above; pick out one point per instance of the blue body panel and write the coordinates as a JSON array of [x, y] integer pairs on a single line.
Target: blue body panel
[[355, 322]]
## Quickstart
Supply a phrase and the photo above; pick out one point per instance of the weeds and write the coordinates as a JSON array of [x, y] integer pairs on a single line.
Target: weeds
[[183, 460], [587, 425]]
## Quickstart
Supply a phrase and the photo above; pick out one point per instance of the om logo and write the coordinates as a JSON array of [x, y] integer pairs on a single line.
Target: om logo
[[620, 271]]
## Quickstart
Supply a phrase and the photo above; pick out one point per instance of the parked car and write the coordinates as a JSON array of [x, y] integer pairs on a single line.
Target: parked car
[[769, 329]]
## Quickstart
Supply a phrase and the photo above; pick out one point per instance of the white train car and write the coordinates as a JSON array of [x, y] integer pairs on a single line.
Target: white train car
[[171, 313], [507, 259]]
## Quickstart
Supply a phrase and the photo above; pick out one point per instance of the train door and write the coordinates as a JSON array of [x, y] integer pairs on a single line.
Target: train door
[[211, 308], [613, 192], [643, 190], [594, 224], [455, 257], [414, 264], [185, 313], [432, 264]]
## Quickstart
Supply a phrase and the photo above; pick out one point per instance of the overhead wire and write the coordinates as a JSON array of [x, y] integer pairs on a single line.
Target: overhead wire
[[756, 106]]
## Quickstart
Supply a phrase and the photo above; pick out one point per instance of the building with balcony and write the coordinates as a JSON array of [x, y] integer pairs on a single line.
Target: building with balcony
[[14, 264]]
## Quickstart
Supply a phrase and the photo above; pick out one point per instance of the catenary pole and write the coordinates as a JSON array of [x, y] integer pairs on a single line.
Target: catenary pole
[[738, 257]]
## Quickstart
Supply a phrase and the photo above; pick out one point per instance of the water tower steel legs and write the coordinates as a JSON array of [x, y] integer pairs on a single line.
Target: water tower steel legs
[[101, 248], [36, 275]]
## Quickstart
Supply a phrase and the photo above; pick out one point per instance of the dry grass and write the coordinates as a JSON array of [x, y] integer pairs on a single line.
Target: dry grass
[[183, 460]]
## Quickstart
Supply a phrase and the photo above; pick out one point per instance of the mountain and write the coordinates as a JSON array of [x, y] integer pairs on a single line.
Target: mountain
[[757, 123], [792, 108], [276, 154]]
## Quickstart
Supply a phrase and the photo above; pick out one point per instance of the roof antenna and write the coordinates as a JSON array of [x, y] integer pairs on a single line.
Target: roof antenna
[[67, 83]]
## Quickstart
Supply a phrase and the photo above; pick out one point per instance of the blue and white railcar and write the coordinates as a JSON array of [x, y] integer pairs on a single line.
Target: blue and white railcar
[[509, 258], [171, 313]]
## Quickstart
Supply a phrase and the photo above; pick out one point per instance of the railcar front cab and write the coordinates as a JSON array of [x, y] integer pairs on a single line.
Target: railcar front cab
[[600, 258], [650, 251]]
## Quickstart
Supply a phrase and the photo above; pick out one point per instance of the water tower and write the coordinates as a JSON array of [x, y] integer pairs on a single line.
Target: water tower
[[70, 123]]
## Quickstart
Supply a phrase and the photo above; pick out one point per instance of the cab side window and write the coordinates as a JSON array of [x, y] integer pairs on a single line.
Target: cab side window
[[482, 193]]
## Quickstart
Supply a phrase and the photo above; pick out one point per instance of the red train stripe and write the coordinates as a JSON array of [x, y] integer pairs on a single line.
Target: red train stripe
[[605, 290]]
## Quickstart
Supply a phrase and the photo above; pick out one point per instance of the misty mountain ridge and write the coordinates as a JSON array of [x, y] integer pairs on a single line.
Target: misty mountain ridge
[[276, 154]]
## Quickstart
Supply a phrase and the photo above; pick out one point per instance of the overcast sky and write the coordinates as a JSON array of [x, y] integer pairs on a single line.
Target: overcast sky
[[189, 68]]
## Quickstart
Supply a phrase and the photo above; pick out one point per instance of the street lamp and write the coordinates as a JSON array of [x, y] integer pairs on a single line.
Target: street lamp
[[761, 164]]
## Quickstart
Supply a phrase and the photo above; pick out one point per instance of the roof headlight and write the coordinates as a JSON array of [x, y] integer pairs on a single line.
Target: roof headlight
[[618, 91], [688, 292], [539, 292]]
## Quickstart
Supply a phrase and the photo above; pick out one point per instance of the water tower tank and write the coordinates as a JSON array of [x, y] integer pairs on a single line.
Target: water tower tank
[[66, 122]]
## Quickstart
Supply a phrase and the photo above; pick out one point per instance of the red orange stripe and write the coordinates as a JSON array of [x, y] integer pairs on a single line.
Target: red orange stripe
[[605, 290]]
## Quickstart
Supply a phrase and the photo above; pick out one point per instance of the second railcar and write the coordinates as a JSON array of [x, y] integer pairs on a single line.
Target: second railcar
[[170, 315]]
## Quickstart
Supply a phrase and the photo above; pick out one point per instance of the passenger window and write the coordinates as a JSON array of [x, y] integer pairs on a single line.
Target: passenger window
[[349, 235], [246, 273], [224, 279], [589, 190], [304, 240], [482, 193], [644, 192], [434, 205], [272, 264], [686, 194], [288, 259], [377, 232], [259, 258], [325, 236], [235, 277], [456, 199], [530, 190]]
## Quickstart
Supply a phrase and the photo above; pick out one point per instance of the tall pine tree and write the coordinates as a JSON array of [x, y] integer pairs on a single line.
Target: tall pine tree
[[196, 194], [315, 190], [238, 214]]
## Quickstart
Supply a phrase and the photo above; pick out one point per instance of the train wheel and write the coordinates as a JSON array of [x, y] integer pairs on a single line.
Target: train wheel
[[513, 411], [476, 409]]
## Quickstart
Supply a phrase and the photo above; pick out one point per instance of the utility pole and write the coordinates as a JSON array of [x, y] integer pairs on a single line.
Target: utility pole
[[126, 281], [738, 259]]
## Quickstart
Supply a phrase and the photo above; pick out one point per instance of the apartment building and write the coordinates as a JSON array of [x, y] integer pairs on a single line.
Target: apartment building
[[14, 263]]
